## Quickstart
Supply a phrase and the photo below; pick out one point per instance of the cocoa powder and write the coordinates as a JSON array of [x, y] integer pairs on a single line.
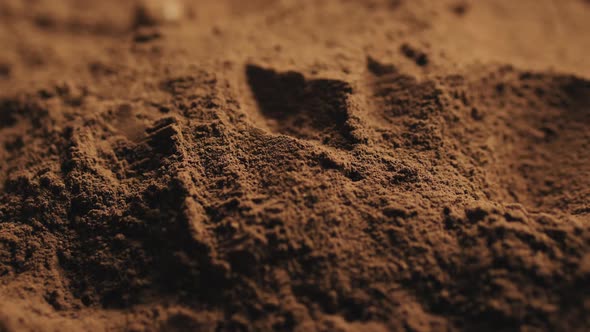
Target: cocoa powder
[[294, 165]]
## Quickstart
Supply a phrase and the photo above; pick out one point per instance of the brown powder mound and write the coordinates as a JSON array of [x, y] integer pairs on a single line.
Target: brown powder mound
[[294, 165]]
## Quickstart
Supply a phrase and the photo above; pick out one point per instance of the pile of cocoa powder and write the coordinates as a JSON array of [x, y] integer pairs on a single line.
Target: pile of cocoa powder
[[287, 165]]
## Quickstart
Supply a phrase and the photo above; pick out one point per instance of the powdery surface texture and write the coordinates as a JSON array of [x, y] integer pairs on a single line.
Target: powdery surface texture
[[294, 165]]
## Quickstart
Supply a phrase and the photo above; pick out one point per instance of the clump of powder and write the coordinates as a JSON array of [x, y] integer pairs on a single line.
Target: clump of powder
[[158, 12]]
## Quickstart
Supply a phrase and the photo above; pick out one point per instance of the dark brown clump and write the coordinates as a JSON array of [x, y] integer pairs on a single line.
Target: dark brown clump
[[419, 57]]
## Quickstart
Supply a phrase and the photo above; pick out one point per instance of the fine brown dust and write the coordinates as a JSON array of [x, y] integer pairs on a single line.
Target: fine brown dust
[[294, 165]]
